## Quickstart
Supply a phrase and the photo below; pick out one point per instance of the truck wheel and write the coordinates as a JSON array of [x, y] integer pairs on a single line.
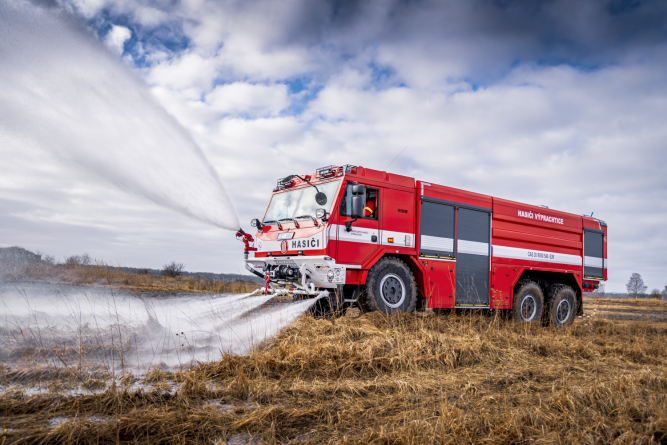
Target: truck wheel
[[563, 307], [528, 303], [391, 287]]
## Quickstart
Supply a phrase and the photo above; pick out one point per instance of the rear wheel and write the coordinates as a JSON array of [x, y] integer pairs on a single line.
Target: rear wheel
[[563, 308], [391, 287], [528, 303]]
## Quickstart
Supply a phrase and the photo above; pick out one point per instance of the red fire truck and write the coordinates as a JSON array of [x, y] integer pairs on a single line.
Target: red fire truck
[[352, 236]]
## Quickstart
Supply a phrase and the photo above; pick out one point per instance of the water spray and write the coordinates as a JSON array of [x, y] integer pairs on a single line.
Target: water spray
[[65, 93]]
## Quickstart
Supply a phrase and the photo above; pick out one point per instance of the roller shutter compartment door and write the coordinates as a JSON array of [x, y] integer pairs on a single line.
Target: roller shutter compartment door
[[472, 257], [437, 230], [593, 253]]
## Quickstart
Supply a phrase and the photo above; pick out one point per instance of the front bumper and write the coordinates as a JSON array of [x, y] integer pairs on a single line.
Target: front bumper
[[317, 272]]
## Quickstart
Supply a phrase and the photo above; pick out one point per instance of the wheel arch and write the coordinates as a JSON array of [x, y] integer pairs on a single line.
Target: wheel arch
[[411, 262]]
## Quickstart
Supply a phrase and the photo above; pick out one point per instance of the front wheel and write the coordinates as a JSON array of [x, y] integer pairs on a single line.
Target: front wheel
[[528, 303], [391, 287]]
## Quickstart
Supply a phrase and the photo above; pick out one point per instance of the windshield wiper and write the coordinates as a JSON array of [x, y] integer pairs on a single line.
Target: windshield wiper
[[296, 224], [308, 182], [308, 216], [274, 222]]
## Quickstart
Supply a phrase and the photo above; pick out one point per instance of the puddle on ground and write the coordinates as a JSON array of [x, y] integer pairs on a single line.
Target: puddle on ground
[[57, 421]]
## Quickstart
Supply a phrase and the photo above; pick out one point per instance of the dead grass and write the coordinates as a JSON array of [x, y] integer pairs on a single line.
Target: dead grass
[[103, 274], [413, 379], [627, 301]]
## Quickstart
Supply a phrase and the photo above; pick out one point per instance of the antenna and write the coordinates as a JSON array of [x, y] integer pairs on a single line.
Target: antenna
[[392, 161]]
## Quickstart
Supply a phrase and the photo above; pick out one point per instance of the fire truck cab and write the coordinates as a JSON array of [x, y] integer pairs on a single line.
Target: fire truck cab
[[353, 236]]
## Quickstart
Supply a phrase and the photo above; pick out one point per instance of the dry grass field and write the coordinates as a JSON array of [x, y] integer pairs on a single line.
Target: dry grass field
[[371, 378], [104, 275]]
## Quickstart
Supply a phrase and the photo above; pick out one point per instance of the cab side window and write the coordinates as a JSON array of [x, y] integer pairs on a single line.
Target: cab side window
[[371, 207]]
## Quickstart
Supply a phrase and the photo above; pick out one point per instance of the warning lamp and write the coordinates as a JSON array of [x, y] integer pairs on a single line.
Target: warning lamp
[[390, 240]]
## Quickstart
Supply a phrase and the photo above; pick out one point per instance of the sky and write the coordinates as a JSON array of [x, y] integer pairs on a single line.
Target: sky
[[557, 103]]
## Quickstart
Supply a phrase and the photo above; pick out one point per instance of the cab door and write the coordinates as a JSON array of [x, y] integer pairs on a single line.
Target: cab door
[[363, 238]]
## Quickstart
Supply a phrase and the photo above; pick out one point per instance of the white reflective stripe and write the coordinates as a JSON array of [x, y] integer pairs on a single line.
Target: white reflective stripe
[[357, 234], [605, 263], [535, 255], [592, 261], [472, 247], [437, 243], [401, 239]]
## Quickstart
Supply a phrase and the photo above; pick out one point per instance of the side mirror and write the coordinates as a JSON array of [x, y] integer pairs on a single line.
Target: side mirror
[[256, 223], [358, 189], [321, 198], [358, 202]]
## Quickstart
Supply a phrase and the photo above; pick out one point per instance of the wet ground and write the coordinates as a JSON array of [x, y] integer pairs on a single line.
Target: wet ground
[[620, 311]]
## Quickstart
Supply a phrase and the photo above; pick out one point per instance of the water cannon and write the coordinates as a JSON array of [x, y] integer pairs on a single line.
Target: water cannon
[[247, 239]]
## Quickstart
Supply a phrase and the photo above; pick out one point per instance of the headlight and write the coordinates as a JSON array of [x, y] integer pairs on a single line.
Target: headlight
[[330, 275], [320, 213]]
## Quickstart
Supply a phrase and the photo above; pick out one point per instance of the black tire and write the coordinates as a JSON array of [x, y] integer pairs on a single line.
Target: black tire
[[391, 287], [528, 303], [562, 306]]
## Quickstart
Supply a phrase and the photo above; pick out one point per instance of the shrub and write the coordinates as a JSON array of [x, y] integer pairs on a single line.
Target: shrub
[[172, 269]]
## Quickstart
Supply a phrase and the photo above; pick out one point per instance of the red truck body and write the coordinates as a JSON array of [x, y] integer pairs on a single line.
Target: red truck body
[[465, 249]]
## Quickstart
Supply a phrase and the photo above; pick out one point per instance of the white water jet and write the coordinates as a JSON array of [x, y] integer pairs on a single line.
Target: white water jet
[[150, 331], [63, 91]]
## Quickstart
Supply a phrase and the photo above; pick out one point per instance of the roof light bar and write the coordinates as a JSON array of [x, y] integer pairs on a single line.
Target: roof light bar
[[334, 170]]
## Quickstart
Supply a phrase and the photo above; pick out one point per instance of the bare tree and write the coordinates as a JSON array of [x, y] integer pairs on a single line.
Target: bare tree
[[172, 269], [78, 260], [664, 293], [655, 293], [636, 286]]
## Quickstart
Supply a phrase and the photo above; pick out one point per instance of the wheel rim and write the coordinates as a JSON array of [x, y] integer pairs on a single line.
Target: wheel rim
[[528, 307], [392, 290], [563, 311]]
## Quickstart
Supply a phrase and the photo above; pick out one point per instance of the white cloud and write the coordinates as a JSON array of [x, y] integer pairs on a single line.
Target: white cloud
[[255, 100], [117, 37], [517, 101]]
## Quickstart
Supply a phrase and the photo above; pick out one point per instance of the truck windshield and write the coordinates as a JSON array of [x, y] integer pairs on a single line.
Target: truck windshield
[[300, 202]]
